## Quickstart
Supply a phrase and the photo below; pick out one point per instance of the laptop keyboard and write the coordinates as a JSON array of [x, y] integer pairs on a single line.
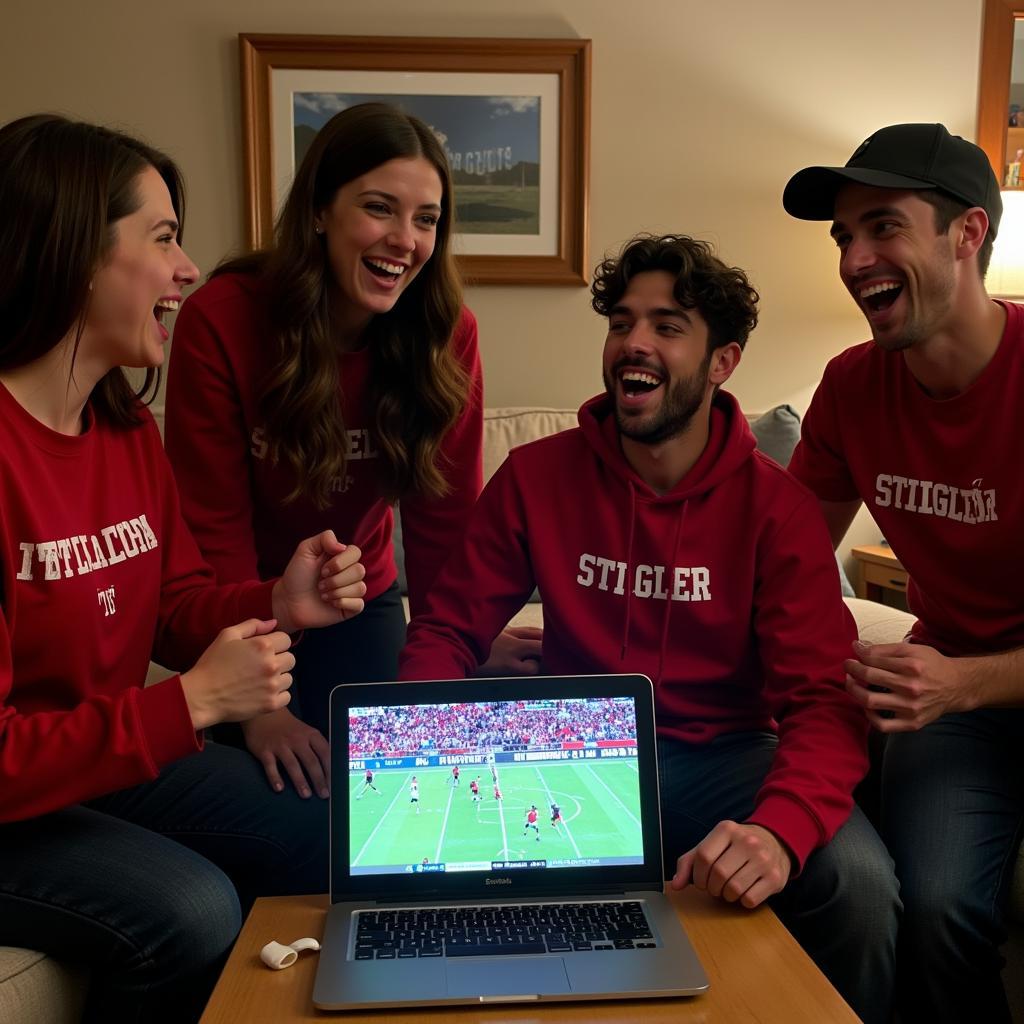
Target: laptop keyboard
[[501, 930]]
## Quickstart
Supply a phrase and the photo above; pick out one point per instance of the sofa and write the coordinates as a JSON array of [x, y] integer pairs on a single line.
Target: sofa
[[35, 988]]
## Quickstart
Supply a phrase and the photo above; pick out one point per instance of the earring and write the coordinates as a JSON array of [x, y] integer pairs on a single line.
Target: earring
[[318, 228]]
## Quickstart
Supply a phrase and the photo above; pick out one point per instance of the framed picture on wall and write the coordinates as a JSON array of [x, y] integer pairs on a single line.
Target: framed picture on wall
[[512, 114]]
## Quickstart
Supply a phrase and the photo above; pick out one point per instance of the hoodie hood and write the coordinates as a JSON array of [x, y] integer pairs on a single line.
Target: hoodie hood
[[730, 444]]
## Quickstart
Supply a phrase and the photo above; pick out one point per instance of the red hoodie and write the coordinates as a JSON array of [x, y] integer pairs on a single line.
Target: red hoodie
[[724, 591]]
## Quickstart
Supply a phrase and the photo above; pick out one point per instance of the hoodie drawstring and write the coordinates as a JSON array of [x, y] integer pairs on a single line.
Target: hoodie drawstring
[[630, 579], [668, 603], [629, 563]]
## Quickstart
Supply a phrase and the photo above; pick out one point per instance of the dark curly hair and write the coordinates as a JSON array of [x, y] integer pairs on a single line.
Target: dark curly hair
[[721, 294]]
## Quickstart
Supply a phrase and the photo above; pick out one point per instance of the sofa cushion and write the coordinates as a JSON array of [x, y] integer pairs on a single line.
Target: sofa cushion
[[34, 988], [878, 623], [506, 428]]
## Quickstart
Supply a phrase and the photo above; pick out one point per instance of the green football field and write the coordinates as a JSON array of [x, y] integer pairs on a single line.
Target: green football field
[[600, 805]]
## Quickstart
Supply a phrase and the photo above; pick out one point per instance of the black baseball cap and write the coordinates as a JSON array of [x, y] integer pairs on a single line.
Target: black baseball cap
[[902, 156]]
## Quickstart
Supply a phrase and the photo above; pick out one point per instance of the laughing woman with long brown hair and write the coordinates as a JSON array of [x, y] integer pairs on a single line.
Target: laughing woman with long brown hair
[[319, 382], [126, 845]]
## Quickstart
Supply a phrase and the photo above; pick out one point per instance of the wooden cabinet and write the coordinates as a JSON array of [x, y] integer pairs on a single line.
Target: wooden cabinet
[[880, 575]]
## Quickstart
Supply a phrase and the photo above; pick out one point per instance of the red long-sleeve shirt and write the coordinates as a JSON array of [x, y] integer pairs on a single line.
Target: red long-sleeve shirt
[[98, 573]]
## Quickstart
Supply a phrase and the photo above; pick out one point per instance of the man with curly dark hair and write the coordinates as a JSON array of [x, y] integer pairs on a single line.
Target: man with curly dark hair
[[662, 542], [721, 295]]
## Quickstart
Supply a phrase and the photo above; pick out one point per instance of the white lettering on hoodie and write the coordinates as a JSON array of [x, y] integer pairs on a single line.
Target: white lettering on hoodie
[[655, 582]]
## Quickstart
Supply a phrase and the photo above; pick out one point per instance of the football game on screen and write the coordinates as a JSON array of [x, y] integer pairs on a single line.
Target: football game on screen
[[493, 785]]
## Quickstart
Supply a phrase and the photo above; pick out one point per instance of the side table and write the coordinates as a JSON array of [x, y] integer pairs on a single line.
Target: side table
[[880, 575]]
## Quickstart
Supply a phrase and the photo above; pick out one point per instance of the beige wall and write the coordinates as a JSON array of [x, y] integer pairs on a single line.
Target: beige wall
[[701, 111]]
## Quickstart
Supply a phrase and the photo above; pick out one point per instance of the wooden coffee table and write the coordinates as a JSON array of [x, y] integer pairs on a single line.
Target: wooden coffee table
[[757, 971]]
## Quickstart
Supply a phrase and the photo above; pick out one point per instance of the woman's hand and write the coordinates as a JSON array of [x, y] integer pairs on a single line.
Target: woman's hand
[[280, 740], [321, 585], [246, 671], [516, 651]]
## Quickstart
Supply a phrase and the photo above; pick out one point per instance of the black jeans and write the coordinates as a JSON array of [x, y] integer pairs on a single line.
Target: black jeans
[[952, 815], [843, 908], [148, 886]]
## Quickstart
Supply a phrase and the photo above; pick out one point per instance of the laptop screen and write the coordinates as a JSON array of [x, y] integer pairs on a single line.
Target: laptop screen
[[493, 786], [486, 787]]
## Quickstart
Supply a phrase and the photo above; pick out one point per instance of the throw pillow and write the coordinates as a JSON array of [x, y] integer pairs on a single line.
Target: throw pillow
[[777, 432]]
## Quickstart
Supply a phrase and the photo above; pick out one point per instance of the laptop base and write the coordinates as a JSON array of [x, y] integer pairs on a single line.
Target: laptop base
[[669, 970]]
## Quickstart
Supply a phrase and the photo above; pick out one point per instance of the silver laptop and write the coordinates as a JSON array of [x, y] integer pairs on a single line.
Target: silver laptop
[[497, 841]]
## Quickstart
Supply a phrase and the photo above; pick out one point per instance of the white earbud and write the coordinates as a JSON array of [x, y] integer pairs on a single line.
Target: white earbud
[[278, 956]]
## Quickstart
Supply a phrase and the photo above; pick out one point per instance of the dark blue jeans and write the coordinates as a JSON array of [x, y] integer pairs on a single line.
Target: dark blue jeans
[[952, 813], [843, 908], [148, 886]]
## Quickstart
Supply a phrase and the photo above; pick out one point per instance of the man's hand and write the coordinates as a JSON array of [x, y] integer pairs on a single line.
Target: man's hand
[[736, 862], [321, 585], [282, 739], [515, 652], [246, 671], [903, 687]]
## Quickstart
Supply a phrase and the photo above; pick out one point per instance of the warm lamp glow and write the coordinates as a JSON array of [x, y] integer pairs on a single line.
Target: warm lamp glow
[[1005, 277]]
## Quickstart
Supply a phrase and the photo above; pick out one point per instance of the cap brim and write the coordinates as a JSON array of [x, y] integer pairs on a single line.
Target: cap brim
[[811, 193]]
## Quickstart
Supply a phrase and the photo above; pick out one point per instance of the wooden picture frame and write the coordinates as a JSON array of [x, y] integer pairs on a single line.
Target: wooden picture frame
[[548, 80]]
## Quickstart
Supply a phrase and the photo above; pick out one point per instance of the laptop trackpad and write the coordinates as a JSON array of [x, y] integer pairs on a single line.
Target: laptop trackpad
[[488, 976]]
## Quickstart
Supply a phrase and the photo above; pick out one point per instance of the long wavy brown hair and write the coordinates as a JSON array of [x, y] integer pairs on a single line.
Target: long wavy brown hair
[[417, 388], [64, 185]]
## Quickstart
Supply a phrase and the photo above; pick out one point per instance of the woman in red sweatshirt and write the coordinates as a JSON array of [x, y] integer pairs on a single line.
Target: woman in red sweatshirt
[[124, 844], [316, 384]]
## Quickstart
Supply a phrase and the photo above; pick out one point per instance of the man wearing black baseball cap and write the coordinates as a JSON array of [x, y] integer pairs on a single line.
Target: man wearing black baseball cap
[[924, 425], [902, 156]]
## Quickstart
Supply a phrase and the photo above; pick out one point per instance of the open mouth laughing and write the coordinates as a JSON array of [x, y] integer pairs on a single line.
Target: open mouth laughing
[[163, 307], [383, 269], [879, 296], [636, 383]]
